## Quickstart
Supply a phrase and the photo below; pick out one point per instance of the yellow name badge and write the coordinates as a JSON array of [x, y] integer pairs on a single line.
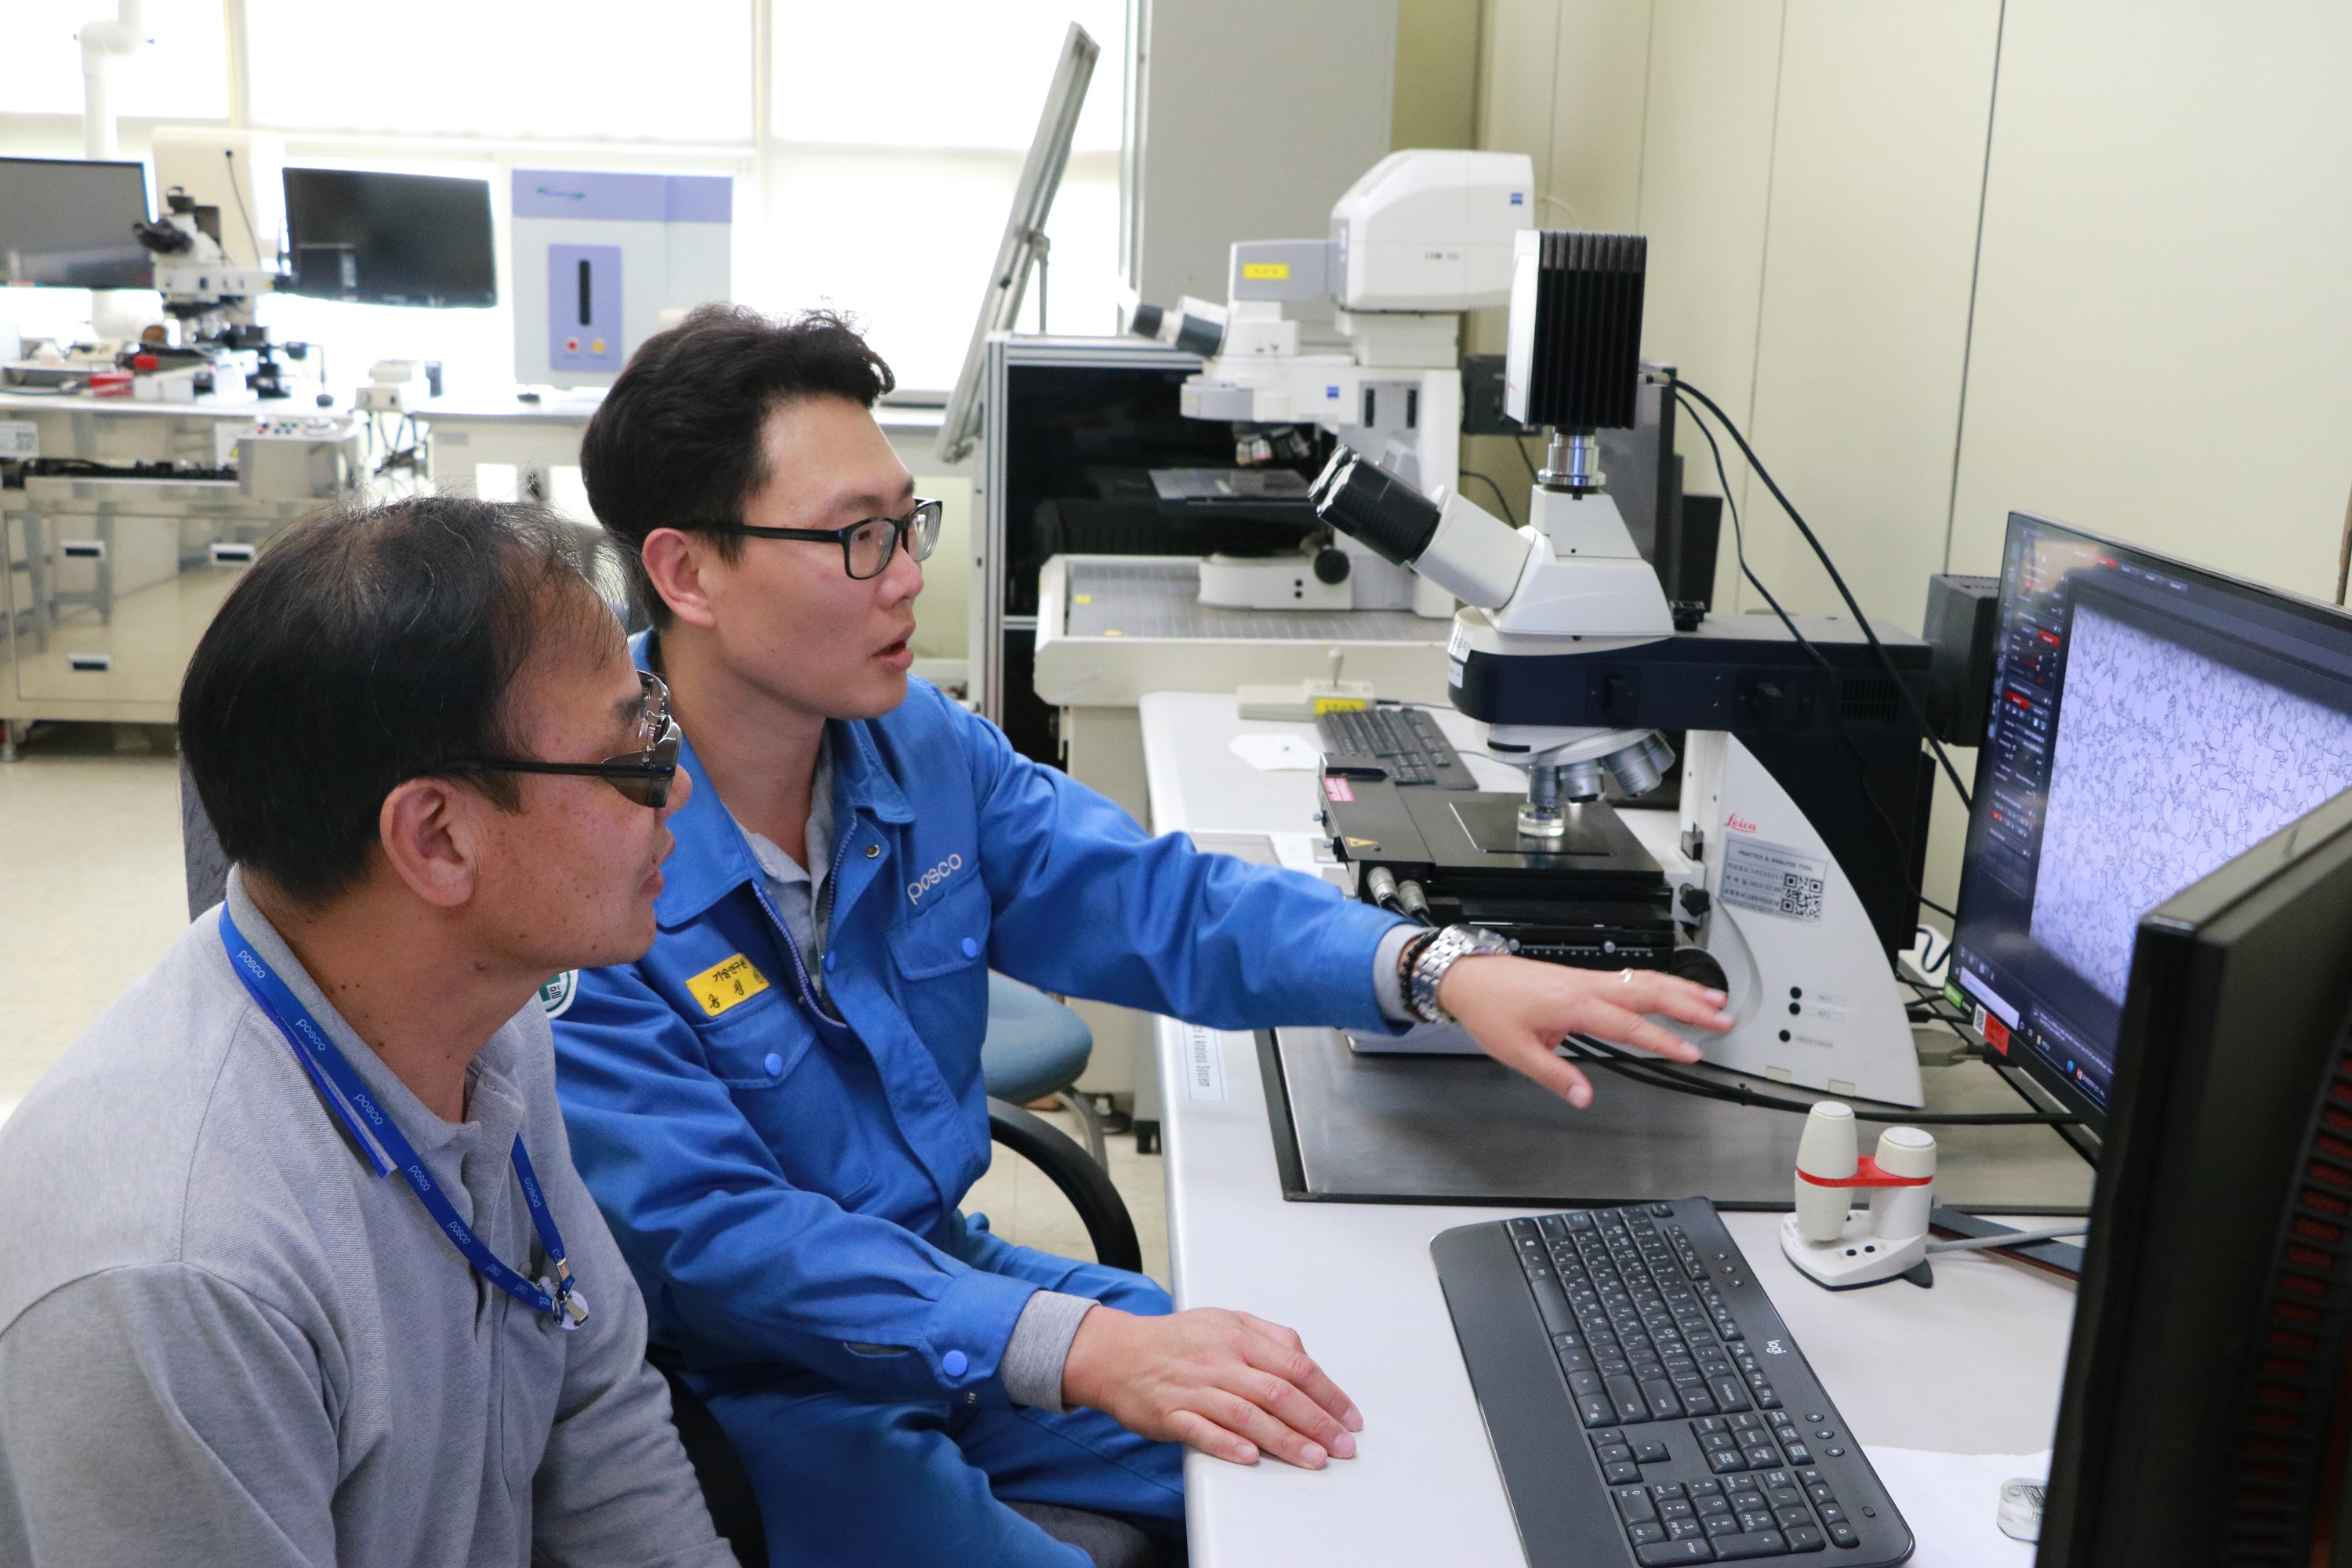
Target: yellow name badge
[[1272, 271], [724, 986]]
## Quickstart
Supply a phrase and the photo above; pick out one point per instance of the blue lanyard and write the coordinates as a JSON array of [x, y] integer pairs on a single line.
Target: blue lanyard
[[381, 1139]]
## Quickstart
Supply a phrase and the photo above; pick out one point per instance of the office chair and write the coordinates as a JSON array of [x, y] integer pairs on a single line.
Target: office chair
[[1036, 1046]]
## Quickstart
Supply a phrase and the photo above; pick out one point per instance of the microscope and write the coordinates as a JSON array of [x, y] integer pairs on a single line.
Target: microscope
[[1804, 791], [1423, 236]]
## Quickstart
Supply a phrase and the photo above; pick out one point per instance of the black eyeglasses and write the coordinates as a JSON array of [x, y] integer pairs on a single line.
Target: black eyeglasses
[[866, 547], [643, 775]]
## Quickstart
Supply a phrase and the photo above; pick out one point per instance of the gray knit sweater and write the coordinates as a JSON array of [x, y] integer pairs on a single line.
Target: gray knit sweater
[[224, 1340]]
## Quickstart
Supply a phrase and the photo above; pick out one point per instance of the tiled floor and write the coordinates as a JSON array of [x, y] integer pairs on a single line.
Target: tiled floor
[[91, 892]]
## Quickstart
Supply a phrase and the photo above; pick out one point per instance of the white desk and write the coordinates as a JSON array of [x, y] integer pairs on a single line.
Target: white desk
[[1971, 1366]]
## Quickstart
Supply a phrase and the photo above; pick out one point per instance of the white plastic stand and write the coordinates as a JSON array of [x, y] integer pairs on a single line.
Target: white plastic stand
[[1840, 1250]]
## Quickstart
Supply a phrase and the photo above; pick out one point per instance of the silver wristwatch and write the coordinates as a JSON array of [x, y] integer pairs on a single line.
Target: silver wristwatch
[[1437, 955]]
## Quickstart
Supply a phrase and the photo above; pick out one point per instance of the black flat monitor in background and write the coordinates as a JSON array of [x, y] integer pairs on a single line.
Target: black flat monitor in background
[[2150, 720], [2204, 1419], [66, 222], [390, 240]]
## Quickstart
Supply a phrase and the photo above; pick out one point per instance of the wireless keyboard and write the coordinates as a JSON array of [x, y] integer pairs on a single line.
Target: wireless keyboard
[[1645, 1403], [1402, 744]]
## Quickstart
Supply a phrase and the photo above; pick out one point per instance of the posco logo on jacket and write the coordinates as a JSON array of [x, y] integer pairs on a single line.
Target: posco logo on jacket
[[933, 878]]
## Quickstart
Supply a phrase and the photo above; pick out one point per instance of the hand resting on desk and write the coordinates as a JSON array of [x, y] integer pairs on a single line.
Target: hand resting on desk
[[1227, 1383], [1518, 1010]]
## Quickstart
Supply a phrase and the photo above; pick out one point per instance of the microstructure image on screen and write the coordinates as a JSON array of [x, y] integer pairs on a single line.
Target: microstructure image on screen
[[2167, 764]]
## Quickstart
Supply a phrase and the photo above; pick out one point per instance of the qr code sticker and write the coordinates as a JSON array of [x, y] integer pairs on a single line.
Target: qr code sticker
[[1801, 897], [1773, 880]]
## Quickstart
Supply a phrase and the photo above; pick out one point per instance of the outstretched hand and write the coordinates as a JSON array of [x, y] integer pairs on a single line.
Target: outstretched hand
[[1225, 1383], [1518, 1009]]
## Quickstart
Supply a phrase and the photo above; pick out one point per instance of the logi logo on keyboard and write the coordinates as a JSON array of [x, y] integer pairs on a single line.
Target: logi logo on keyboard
[[1774, 1347]]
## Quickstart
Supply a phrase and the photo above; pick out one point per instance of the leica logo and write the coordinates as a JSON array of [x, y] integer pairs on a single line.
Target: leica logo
[[1738, 823]]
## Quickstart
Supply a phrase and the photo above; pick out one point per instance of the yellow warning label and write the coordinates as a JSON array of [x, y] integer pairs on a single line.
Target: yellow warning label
[[1338, 704], [722, 985], [1270, 270]]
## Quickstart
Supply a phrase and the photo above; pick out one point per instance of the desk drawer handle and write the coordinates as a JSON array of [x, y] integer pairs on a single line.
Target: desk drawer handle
[[90, 663], [232, 554], [83, 549]]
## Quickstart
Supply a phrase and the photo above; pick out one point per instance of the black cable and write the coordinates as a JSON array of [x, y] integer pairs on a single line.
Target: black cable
[[1500, 499], [1837, 714], [1520, 443], [1663, 1075], [1910, 700], [253, 238]]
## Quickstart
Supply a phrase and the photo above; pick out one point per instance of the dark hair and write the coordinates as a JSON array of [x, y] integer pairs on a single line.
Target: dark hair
[[361, 648], [677, 441]]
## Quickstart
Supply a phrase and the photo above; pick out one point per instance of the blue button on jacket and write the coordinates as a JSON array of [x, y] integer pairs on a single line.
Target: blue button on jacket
[[786, 1189]]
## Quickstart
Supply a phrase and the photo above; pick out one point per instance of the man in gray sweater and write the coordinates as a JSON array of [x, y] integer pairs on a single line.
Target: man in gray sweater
[[294, 1265]]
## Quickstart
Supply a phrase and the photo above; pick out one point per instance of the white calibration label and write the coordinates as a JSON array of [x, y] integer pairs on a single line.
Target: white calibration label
[[19, 439], [1772, 879], [1204, 1064]]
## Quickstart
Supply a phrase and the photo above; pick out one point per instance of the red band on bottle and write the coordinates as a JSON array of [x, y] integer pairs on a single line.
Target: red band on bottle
[[1866, 1175]]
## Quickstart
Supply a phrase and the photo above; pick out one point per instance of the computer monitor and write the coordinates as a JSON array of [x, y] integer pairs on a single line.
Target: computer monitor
[[390, 240], [2149, 721], [68, 223], [2204, 1416]]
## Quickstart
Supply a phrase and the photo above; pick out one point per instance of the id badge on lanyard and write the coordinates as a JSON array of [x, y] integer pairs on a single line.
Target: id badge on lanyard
[[387, 1149]]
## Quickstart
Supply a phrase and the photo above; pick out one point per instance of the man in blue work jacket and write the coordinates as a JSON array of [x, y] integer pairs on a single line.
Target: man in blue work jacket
[[779, 1107]]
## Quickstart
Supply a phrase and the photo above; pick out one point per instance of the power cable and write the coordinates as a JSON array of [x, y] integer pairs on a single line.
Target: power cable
[[1668, 1076], [1902, 687], [1837, 714]]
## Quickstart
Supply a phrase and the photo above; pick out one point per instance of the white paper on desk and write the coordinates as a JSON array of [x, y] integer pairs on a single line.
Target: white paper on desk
[[1276, 753], [1310, 853], [1951, 1501]]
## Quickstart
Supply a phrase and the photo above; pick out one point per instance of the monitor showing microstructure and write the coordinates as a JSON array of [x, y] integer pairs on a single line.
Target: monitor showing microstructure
[[2149, 721]]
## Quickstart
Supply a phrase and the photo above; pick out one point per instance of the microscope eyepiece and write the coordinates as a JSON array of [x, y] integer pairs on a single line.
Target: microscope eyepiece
[[1365, 500]]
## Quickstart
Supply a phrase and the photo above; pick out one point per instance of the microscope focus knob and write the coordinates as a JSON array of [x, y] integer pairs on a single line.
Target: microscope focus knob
[[1698, 966], [1330, 565]]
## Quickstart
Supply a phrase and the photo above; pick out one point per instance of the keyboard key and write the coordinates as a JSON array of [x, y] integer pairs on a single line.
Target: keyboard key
[[1757, 1519], [1574, 1361], [1668, 1554], [1777, 1479], [1820, 1492], [1618, 1453], [1716, 1524], [1765, 1398], [1705, 1503], [1697, 1400], [1585, 1383], [1604, 1437], [1799, 1454], [1662, 1490], [1703, 1486], [1620, 1472], [1803, 1538], [1761, 1457], [1627, 1395], [1664, 1405], [1752, 1543], [1646, 1532], [1596, 1410], [1650, 1453], [1552, 1302], [1685, 1530], [1747, 1500], [1729, 1394], [1634, 1502], [1724, 1461], [1844, 1535], [1672, 1508], [1791, 1518], [1833, 1513]]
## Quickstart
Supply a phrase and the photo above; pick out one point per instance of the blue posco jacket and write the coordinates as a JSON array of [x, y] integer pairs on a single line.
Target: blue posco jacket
[[790, 1200]]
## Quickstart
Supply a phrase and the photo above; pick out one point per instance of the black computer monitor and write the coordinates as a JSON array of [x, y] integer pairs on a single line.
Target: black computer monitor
[[390, 240], [2204, 1418], [2149, 721], [68, 223]]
